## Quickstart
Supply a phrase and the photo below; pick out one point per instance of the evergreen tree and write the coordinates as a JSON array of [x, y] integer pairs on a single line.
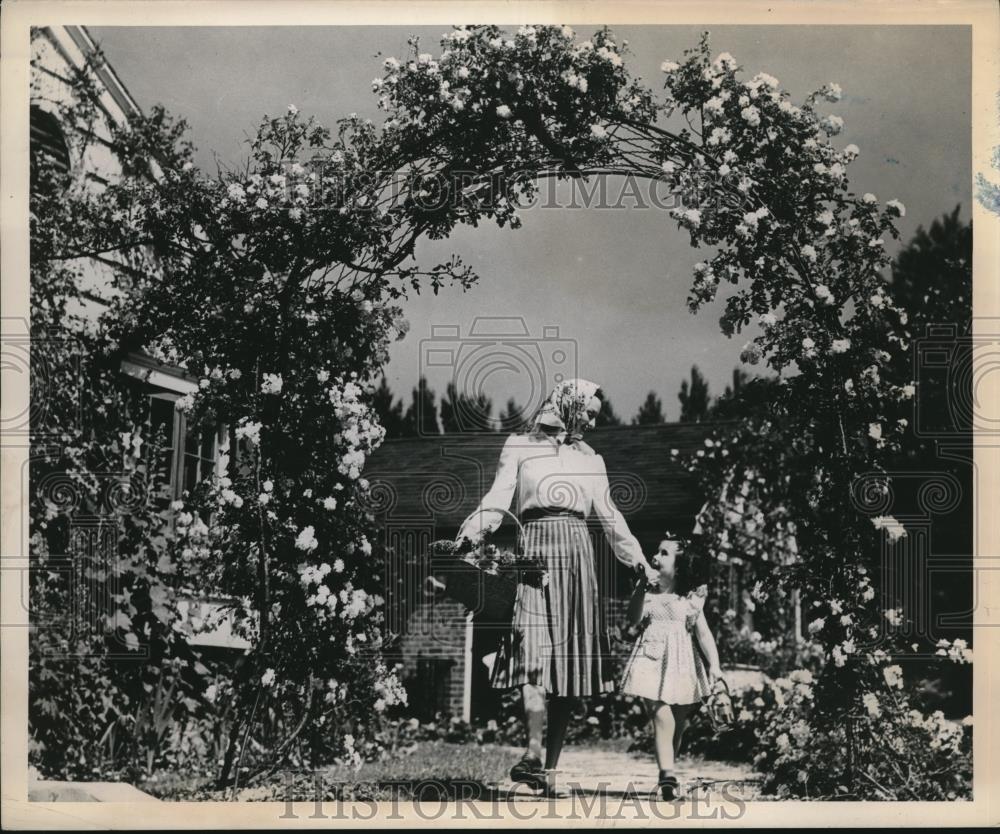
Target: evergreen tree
[[932, 281], [650, 412], [740, 378], [694, 398], [513, 419], [463, 413], [422, 415], [389, 414], [724, 406], [607, 416], [932, 275]]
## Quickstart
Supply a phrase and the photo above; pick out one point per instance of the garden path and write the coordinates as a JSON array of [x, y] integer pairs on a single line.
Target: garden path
[[594, 771]]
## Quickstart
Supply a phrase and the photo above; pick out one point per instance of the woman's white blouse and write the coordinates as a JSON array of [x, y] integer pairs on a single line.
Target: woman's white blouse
[[547, 474]]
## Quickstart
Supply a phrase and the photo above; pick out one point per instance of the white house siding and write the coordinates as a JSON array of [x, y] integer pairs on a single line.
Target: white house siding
[[57, 54]]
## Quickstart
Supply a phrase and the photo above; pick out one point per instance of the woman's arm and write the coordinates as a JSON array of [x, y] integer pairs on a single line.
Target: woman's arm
[[625, 545], [485, 519], [707, 642]]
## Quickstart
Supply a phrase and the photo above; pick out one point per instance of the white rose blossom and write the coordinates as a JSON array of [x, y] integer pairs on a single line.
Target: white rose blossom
[[892, 527], [832, 91], [306, 540], [871, 703], [272, 384]]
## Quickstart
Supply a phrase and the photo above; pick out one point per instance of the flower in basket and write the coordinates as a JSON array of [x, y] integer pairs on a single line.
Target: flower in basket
[[491, 558], [444, 547]]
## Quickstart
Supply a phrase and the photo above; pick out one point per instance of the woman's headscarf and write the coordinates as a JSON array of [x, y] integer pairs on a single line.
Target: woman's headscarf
[[566, 409]]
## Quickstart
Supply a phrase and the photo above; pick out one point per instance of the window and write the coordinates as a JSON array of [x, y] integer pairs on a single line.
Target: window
[[164, 432], [180, 458], [200, 453], [49, 150]]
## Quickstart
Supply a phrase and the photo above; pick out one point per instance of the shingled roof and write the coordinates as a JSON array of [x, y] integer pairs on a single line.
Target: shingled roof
[[443, 477]]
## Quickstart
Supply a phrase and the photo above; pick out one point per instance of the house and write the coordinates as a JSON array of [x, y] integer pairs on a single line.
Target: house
[[424, 487], [82, 146]]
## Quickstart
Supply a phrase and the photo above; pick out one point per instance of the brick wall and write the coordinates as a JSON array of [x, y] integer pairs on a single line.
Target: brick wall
[[433, 657], [433, 654]]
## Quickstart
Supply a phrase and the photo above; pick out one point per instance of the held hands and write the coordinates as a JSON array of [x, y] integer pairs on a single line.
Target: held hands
[[645, 574]]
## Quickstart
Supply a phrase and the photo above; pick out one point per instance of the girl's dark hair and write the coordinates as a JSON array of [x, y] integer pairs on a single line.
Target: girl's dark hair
[[691, 571], [691, 568]]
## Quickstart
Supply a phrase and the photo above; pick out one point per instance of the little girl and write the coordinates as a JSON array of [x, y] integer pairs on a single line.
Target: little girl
[[665, 667]]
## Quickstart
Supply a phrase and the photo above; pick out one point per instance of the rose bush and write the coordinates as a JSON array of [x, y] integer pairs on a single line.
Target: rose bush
[[276, 287]]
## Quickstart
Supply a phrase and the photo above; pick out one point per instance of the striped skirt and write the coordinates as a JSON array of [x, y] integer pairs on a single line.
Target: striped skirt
[[558, 639]]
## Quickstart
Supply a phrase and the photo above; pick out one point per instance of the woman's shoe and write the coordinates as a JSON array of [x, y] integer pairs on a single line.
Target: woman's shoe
[[669, 788], [530, 772]]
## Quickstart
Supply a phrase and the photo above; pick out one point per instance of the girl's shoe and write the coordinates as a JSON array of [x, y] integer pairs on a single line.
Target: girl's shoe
[[530, 772], [669, 788]]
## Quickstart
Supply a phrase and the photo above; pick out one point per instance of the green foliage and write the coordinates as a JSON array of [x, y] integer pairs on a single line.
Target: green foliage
[[894, 752], [110, 672]]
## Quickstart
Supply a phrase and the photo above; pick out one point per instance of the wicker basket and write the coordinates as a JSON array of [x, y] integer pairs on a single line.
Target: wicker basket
[[488, 594]]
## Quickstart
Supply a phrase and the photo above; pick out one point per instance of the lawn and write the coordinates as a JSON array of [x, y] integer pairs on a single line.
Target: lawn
[[428, 769]]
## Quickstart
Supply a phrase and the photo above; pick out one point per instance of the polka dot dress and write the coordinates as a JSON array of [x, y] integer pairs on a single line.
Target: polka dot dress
[[665, 665]]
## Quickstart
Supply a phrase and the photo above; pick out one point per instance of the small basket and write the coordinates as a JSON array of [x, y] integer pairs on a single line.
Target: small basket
[[489, 593], [719, 706]]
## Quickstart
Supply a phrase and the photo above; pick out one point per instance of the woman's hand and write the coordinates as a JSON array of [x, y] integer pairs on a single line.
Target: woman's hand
[[646, 574], [715, 673]]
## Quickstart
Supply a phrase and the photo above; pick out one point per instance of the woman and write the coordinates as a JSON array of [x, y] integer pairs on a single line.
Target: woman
[[556, 645]]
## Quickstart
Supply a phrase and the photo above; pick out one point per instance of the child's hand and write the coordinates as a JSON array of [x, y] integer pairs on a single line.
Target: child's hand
[[647, 574], [633, 632]]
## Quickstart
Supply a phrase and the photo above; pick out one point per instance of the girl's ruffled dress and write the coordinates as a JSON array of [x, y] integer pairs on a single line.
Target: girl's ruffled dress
[[665, 665]]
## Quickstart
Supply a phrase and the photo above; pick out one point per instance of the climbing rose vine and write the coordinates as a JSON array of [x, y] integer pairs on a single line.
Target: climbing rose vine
[[277, 285]]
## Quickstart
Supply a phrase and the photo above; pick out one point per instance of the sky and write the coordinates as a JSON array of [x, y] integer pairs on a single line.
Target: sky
[[600, 293]]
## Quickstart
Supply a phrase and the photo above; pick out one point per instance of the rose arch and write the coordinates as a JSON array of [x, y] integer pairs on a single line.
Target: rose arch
[[312, 244]]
